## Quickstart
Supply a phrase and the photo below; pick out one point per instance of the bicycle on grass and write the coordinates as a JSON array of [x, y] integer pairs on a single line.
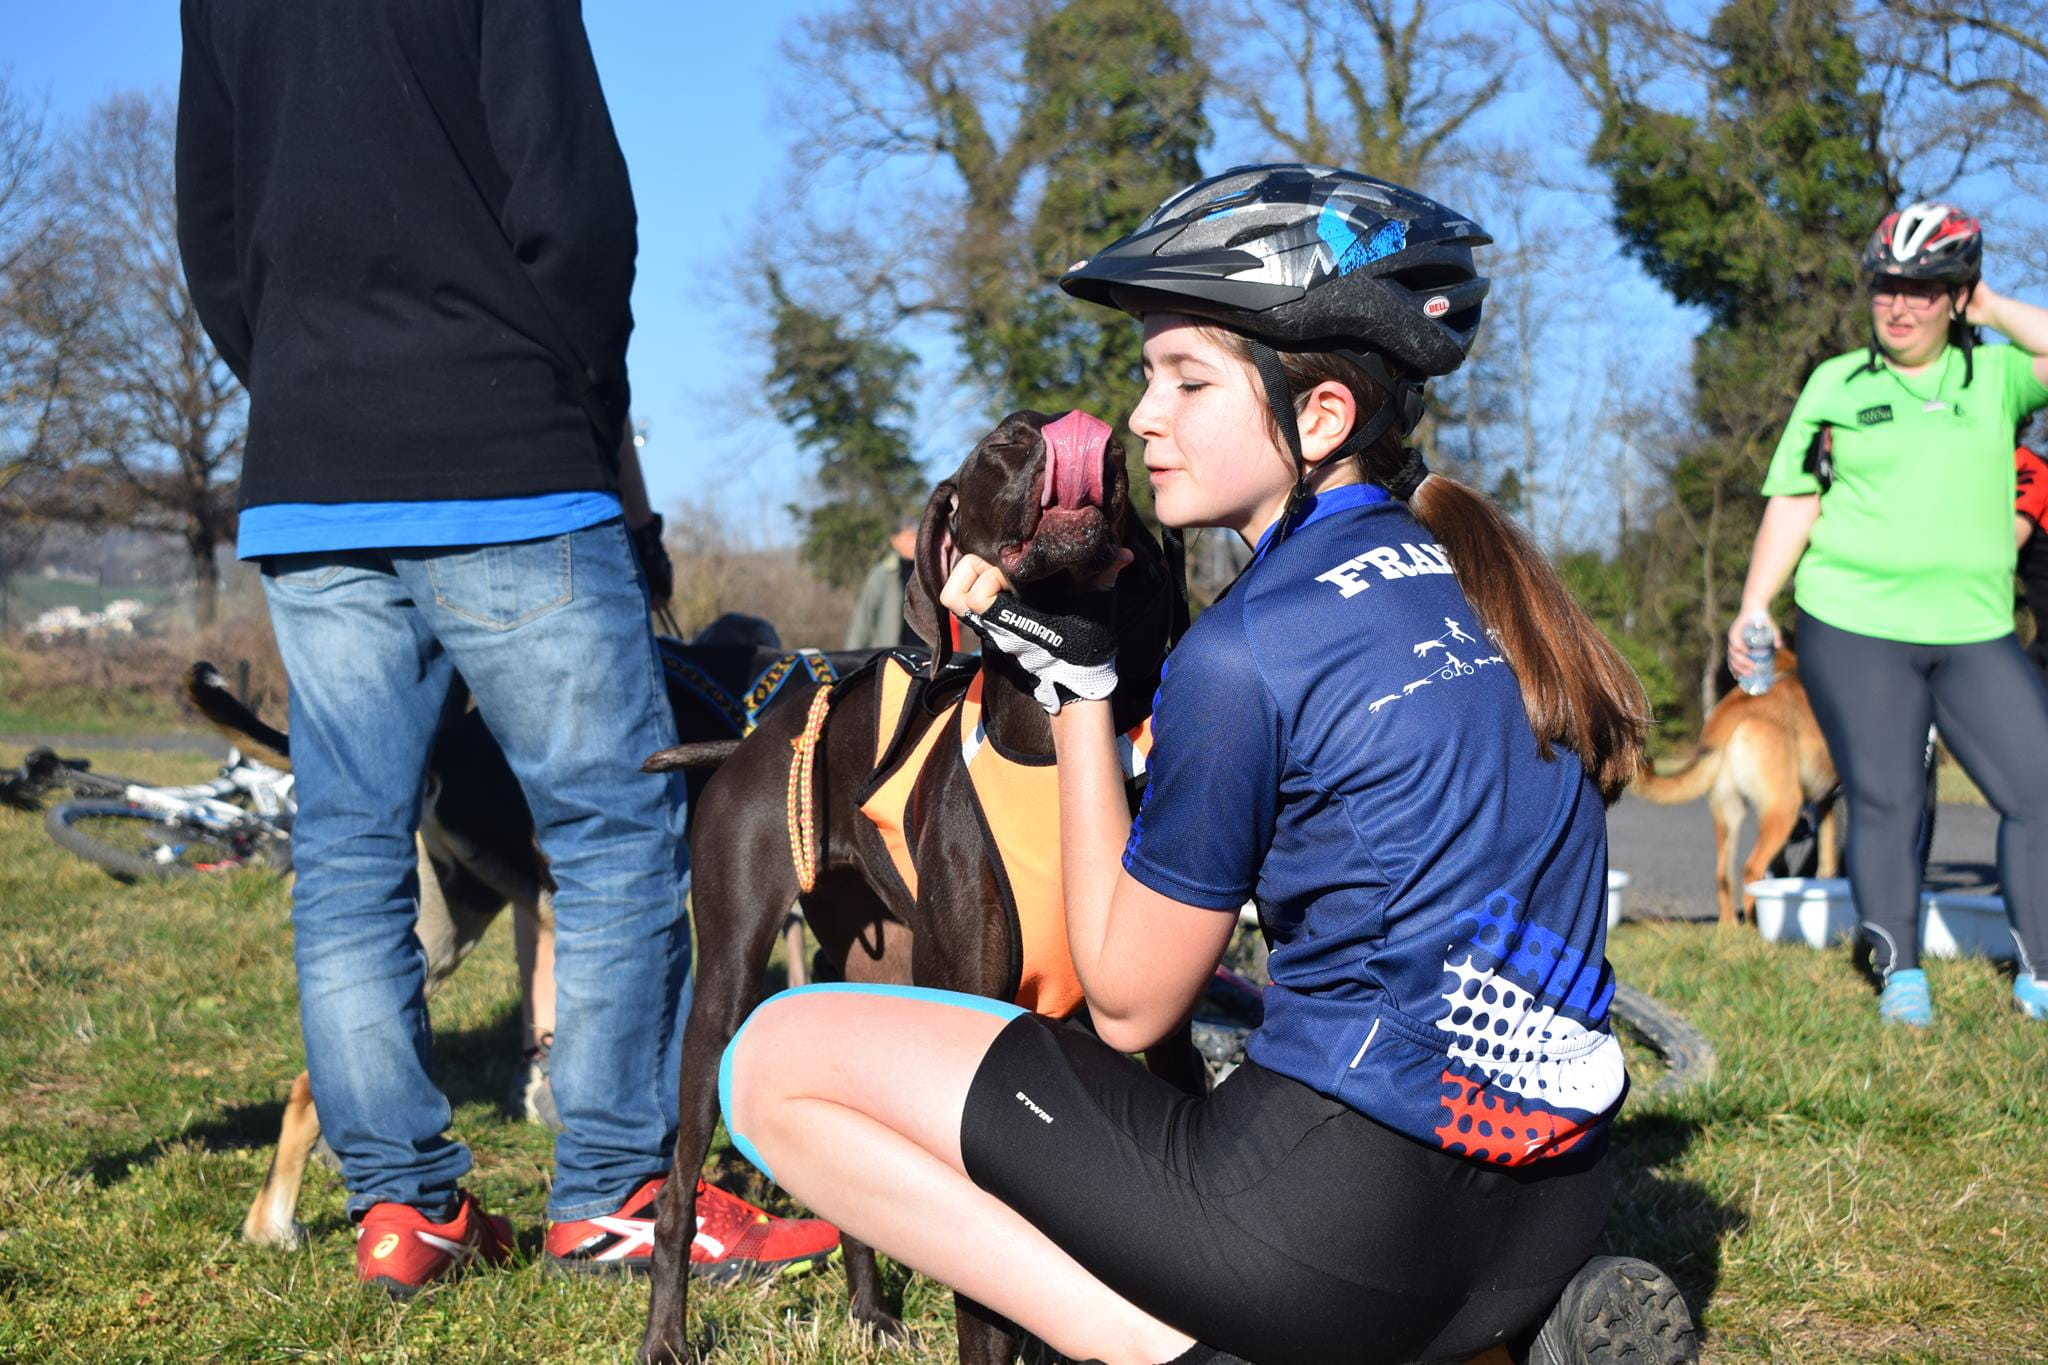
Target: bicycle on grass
[[136, 831]]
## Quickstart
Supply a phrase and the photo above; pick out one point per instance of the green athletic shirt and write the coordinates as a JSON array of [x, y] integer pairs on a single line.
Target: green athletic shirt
[[1914, 539]]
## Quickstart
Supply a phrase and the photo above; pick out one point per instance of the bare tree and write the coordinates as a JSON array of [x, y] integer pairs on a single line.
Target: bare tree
[[1968, 81], [1398, 88], [889, 90], [158, 419], [1389, 87], [31, 347], [1993, 53], [34, 339]]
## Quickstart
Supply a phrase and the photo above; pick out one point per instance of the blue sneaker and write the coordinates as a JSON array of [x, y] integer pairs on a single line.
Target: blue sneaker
[[2030, 995], [1905, 999]]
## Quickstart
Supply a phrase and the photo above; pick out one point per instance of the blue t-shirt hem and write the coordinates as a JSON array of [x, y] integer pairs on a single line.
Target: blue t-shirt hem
[[1155, 878], [287, 528]]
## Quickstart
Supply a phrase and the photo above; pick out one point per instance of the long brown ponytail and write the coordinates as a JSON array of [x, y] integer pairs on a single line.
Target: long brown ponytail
[[1576, 688]]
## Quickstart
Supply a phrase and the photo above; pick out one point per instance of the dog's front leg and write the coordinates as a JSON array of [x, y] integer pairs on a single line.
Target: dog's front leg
[[271, 1221], [864, 1290], [668, 1300], [986, 1337]]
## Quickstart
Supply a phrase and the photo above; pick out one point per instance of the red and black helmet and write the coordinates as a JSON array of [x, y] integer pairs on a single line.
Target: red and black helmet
[[1926, 241]]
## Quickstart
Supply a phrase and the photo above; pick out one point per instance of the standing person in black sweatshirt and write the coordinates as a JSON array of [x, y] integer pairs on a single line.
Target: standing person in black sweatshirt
[[408, 229]]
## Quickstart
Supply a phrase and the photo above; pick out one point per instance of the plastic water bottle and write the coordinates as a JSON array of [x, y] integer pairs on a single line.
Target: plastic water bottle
[[1763, 653]]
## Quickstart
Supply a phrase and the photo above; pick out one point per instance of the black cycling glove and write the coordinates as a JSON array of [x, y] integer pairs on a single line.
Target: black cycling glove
[[1072, 656], [655, 565]]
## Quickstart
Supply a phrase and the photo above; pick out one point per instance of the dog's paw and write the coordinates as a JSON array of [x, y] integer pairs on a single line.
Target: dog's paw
[[886, 1327], [287, 1236]]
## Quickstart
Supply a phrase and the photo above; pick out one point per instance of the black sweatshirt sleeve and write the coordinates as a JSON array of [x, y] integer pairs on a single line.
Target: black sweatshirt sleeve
[[205, 161], [569, 209]]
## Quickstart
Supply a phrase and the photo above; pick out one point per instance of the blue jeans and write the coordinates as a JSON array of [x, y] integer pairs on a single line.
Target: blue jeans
[[551, 637]]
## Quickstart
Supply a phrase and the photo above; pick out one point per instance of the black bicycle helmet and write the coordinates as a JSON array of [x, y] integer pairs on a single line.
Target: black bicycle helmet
[[1926, 241], [1307, 258]]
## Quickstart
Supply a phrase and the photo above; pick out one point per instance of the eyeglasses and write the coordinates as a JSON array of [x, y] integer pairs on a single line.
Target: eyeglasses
[[1922, 296]]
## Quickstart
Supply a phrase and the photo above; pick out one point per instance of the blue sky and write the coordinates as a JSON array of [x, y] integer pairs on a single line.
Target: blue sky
[[693, 90], [690, 87]]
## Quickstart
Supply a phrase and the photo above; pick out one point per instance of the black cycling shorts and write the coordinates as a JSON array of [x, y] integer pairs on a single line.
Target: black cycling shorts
[[1268, 1220]]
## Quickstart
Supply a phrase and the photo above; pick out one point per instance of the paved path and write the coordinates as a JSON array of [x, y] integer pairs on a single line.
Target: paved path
[[12, 746], [1668, 852]]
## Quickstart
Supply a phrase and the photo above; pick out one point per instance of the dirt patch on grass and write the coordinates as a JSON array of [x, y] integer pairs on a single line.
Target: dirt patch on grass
[[1818, 1335]]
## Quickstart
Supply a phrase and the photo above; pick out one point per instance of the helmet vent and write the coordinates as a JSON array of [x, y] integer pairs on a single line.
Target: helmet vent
[[1424, 278]]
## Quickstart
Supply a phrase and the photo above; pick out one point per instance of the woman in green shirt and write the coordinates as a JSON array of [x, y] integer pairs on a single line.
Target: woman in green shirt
[[1892, 491]]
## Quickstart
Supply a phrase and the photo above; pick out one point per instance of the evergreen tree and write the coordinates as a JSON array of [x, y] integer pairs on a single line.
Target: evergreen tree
[[1754, 211], [842, 396], [1055, 128], [1113, 126]]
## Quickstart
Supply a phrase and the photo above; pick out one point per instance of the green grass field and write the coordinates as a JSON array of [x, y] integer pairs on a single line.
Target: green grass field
[[1839, 1193]]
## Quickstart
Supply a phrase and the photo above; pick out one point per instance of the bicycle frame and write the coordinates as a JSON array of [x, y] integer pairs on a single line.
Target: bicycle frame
[[269, 791]]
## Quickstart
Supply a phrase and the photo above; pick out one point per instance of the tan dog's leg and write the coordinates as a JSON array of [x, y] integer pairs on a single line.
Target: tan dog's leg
[[1830, 836], [1773, 826], [1728, 815], [454, 911], [270, 1221], [533, 933], [533, 938]]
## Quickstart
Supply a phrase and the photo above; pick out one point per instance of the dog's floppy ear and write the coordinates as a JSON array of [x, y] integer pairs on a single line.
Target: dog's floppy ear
[[1150, 616], [933, 562]]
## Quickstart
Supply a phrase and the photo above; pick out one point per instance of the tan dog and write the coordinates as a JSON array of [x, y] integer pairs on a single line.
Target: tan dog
[[1763, 753]]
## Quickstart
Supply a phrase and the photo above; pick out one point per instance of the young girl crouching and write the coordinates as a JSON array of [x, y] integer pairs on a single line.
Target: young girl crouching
[[1396, 732]]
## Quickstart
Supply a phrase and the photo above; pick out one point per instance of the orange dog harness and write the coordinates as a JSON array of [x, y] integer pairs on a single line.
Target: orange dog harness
[[1018, 804]]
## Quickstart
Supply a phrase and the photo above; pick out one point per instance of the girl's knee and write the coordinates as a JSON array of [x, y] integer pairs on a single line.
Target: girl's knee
[[754, 1070]]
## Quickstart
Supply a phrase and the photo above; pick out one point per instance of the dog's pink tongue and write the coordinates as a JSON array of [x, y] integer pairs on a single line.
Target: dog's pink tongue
[[1073, 451]]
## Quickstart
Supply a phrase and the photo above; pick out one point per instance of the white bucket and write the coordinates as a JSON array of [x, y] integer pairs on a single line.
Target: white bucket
[[1815, 911], [1818, 912], [1953, 924], [1617, 884]]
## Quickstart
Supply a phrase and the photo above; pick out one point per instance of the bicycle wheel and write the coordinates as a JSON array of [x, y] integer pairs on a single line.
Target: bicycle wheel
[[1931, 806], [134, 843], [42, 772]]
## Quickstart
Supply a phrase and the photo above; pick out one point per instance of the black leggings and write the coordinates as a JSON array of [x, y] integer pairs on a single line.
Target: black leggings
[[1268, 1220], [1874, 699]]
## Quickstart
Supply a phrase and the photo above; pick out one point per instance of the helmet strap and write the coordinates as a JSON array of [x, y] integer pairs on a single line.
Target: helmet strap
[[1361, 438], [1966, 334], [1280, 402], [1403, 405]]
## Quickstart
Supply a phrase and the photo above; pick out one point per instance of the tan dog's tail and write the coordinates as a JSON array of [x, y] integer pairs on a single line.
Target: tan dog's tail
[[208, 693], [1689, 783]]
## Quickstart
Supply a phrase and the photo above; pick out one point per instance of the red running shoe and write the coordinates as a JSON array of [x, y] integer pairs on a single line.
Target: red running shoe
[[734, 1239], [399, 1251]]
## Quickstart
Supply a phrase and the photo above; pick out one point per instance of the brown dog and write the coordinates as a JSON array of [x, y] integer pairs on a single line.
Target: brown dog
[[1762, 753], [1050, 515]]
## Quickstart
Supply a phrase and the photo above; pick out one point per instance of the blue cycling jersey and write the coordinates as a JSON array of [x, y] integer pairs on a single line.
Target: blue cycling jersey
[[1340, 739]]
